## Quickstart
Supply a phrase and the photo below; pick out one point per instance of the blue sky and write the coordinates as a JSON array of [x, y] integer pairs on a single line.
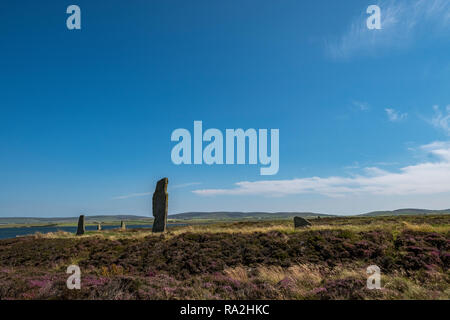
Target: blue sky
[[86, 115]]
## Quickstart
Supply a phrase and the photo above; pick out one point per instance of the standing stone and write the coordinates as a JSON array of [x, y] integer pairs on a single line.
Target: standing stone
[[122, 225], [81, 228], [160, 206], [300, 222], [99, 227]]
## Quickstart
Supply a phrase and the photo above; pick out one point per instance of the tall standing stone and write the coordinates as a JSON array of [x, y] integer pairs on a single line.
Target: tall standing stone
[[81, 228], [300, 222], [99, 227], [160, 206], [122, 225]]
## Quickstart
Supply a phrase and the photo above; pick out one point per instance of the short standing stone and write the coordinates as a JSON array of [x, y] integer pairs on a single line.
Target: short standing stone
[[81, 228], [160, 206], [300, 222], [122, 225]]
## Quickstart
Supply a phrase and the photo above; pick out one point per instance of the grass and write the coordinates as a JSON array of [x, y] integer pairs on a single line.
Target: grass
[[438, 223], [148, 221], [237, 260]]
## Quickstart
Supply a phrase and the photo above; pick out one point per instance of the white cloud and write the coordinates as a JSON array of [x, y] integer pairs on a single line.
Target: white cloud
[[363, 106], [421, 179], [402, 21], [143, 194], [185, 185], [441, 120], [132, 195], [394, 115]]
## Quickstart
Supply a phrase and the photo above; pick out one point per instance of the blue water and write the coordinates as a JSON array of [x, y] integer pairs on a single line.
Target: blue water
[[6, 233]]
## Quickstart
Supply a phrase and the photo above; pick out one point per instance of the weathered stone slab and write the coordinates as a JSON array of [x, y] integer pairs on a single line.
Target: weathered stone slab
[[160, 206], [81, 228], [300, 222], [99, 227], [123, 225]]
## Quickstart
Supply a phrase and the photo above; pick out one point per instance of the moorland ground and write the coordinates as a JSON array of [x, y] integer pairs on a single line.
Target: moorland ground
[[237, 260]]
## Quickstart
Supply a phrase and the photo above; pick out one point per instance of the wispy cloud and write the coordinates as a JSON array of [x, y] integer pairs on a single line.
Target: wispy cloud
[[386, 163], [441, 120], [362, 106], [420, 179], [132, 195], [143, 194], [394, 115], [185, 185], [355, 165], [402, 21]]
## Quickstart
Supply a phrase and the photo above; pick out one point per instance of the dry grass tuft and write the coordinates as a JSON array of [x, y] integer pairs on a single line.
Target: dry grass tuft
[[238, 273]]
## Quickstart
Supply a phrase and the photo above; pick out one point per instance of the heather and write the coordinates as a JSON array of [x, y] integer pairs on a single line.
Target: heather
[[237, 260]]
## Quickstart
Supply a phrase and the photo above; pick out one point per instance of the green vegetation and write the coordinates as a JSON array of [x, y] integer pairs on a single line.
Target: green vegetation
[[237, 260], [197, 217], [406, 212], [72, 221], [226, 215]]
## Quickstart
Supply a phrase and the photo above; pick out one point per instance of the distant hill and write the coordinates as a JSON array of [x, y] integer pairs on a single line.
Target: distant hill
[[56, 220], [405, 212], [226, 215], [219, 215]]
